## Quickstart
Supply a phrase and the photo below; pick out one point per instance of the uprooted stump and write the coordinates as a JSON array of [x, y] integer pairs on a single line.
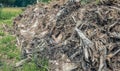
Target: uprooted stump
[[71, 36]]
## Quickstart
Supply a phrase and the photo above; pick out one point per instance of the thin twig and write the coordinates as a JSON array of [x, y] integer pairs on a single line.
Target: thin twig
[[113, 54], [20, 63]]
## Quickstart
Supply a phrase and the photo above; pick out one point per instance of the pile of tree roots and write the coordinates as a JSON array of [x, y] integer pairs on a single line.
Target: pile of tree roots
[[71, 35]]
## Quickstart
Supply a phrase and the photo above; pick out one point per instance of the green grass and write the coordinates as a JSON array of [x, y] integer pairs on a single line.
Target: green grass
[[9, 53], [7, 47], [8, 13]]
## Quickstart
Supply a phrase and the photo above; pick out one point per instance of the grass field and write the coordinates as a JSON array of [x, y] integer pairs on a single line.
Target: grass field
[[7, 14], [9, 53]]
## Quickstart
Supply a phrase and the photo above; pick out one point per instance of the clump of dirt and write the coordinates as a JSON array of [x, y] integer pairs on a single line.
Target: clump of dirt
[[71, 35]]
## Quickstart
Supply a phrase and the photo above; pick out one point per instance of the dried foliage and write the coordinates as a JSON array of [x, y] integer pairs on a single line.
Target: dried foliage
[[72, 36]]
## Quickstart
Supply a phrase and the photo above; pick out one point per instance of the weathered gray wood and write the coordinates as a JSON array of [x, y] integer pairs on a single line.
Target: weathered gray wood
[[84, 38]]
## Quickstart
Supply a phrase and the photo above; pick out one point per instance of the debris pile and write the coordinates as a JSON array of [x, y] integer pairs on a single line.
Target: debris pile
[[72, 36]]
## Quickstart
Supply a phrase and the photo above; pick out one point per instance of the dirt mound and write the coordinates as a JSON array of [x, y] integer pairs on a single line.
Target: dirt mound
[[72, 36]]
